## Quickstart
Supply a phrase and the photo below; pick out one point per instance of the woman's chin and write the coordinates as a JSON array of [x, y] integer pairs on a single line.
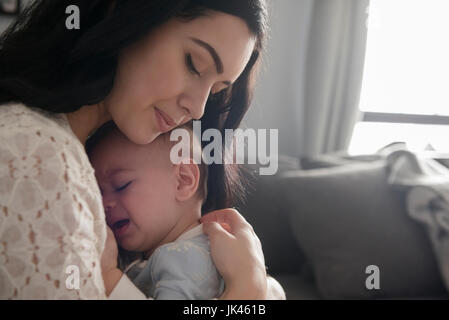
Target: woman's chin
[[139, 133], [144, 136], [143, 139]]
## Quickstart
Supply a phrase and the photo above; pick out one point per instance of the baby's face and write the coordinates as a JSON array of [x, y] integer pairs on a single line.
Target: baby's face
[[138, 186]]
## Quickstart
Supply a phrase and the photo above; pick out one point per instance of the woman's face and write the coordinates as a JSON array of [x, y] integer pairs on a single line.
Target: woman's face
[[165, 79]]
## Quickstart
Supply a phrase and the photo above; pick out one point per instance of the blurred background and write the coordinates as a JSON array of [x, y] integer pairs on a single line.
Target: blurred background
[[356, 76], [358, 90]]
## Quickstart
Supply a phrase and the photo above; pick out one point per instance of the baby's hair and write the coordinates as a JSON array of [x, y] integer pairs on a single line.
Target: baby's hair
[[111, 128]]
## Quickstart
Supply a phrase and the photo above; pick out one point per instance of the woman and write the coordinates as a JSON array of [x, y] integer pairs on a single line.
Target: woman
[[149, 66]]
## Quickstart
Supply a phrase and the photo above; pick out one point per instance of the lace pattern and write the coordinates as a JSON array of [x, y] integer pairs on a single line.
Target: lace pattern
[[51, 214]]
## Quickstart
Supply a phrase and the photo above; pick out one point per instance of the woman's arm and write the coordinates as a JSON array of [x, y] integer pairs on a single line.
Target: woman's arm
[[117, 285], [237, 254], [48, 232], [111, 273]]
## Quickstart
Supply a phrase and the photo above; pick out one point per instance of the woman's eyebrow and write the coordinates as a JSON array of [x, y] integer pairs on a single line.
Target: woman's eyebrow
[[212, 52]]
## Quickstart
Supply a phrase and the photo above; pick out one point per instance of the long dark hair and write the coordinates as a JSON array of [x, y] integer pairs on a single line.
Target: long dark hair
[[44, 65]]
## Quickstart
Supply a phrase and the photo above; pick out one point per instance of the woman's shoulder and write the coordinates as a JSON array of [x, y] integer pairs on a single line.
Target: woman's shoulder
[[32, 131], [22, 117], [41, 157]]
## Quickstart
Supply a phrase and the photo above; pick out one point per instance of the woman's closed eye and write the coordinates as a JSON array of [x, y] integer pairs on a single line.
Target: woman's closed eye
[[123, 187], [190, 66]]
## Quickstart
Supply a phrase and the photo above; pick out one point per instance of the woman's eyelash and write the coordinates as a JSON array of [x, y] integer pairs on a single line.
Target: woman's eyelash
[[123, 187], [190, 65]]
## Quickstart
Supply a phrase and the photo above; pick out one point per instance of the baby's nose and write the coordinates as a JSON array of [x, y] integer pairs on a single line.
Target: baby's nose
[[108, 204]]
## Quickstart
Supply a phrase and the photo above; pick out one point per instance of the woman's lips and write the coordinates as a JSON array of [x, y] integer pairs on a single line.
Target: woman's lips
[[165, 122]]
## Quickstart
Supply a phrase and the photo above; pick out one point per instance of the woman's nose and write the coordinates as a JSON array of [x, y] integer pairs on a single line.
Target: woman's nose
[[195, 101]]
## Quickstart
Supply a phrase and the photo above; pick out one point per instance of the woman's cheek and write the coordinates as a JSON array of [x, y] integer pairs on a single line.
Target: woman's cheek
[[142, 88], [169, 79]]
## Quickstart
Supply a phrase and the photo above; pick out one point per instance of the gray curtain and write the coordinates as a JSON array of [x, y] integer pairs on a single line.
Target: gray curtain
[[334, 69]]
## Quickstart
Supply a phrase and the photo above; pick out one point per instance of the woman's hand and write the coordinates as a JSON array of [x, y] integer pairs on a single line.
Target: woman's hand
[[110, 253], [237, 254], [111, 274]]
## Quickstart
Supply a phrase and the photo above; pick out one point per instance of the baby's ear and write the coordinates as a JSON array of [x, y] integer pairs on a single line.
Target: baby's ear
[[187, 179]]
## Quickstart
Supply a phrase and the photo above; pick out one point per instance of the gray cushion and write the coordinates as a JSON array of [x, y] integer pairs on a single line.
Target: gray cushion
[[264, 210], [346, 218]]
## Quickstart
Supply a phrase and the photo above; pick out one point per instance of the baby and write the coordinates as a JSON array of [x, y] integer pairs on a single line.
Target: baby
[[153, 207]]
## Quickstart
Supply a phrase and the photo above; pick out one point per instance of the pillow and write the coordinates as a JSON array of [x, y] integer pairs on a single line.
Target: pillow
[[263, 210], [347, 218], [335, 159]]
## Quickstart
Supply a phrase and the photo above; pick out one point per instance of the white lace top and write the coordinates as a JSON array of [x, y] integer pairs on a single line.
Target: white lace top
[[52, 224]]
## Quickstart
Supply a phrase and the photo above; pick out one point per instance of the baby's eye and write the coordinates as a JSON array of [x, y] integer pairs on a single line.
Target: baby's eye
[[123, 187]]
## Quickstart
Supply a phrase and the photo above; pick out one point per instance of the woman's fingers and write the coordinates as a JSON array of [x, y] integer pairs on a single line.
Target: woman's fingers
[[227, 218], [237, 255], [214, 230], [226, 226], [214, 216], [216, 222], [231, 221]]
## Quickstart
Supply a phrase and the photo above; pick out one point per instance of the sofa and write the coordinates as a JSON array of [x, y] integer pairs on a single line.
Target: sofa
[[324, 221]]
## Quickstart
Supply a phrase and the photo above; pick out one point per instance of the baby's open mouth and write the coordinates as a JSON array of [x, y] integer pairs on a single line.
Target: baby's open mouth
[[120, 225]]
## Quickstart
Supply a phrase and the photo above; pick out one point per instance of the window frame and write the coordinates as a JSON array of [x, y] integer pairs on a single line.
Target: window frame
[[386, 117]]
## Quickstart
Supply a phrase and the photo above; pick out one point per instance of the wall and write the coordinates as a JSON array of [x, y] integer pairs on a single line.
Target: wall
[[278, 102]]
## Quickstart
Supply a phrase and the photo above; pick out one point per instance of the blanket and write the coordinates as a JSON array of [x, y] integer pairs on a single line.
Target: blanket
[[427, 184]]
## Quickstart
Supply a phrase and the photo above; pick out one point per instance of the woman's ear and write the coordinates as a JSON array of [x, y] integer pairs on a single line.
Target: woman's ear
[[187, 179]]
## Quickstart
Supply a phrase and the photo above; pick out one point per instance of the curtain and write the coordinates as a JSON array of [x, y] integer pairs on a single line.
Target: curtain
[[333, 75]]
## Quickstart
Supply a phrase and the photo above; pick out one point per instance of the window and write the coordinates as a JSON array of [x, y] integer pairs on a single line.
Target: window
[[405, 89]]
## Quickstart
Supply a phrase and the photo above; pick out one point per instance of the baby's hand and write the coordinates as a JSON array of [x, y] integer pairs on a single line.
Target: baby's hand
[[110, 253]]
